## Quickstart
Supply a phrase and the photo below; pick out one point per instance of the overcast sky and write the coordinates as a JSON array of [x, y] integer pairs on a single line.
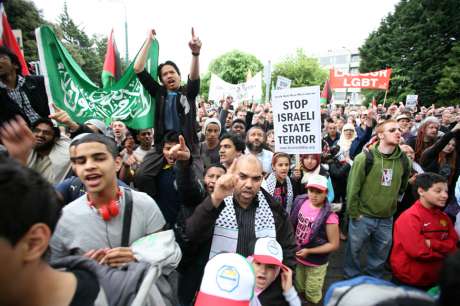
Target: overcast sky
[[269, 29]]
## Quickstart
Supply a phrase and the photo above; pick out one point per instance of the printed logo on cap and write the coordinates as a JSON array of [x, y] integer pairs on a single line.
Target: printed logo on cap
[[228, 278], [273, 247]]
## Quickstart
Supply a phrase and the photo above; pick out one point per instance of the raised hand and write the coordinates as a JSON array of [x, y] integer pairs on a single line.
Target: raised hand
[[62, 117], [286, 279], [151, 34], [195, 43], [224, 185], [18, 139], [180, 151]]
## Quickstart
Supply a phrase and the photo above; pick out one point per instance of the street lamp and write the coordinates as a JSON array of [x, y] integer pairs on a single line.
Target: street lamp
[[349, 68], [126, 26]]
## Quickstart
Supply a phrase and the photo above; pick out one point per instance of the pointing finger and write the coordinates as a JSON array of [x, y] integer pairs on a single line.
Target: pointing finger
[[182, 142], [232, 168], [193, 33]]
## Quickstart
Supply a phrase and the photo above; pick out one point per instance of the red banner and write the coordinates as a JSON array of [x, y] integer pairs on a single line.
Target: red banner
[[377, 79]]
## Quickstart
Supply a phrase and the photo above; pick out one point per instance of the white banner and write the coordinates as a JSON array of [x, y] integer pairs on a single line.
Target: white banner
[[297, 120], [282, 83], [411, 101], [248, 91]]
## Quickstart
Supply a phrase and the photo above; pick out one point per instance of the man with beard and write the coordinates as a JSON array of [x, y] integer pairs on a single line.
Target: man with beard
[[238, 212], [42, 149], [255, 139], [427, 135], [23, 96]]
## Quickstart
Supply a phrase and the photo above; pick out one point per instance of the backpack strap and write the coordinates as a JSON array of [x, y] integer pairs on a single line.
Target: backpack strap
[[405, 164], [127, 218], [369, 161]]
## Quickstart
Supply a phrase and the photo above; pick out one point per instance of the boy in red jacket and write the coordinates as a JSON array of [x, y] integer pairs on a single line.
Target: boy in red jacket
[[423, 235]]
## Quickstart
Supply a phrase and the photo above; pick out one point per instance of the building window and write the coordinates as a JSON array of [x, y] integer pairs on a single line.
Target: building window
[[355, 58], [354, 70]]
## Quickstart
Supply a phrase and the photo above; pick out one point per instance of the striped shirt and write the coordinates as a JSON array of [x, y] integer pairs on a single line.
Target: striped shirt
[[246, 227], [19, 96]]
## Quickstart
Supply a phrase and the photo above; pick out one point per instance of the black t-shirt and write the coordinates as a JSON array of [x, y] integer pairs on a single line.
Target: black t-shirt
[[87, 288]]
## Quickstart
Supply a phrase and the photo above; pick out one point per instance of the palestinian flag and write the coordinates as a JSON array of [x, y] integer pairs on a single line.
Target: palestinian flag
[[8, 40], [326, 94], [112, 67]]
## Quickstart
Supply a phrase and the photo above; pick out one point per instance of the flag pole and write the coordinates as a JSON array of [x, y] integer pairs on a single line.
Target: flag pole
[[385, 98]]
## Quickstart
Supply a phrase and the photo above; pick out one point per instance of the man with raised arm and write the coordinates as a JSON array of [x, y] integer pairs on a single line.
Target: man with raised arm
[[175, 104]]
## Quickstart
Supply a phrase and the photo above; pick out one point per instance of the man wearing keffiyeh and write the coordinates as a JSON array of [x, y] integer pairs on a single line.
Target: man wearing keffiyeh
[[237, 213]]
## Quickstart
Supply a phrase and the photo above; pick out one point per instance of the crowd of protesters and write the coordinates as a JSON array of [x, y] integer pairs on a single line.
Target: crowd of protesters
[[201, 209]]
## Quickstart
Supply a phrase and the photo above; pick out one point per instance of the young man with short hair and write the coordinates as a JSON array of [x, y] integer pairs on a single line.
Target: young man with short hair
[[30, 211], [145, 139], [209, 148], [423, 235], [238, 127], [176, 107], [23, 96], [92, 225], [372, 199], [231, 147]]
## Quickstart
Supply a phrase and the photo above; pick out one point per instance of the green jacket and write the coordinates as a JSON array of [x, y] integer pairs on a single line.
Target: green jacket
[[366, 195]]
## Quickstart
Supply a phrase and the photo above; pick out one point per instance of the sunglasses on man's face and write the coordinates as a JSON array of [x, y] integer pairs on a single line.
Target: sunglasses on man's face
[[392, 130]]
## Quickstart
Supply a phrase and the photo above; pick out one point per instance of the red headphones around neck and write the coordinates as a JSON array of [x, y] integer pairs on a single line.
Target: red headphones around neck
[[109, 210]]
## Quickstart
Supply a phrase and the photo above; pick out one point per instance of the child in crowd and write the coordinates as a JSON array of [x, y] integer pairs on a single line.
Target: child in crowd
[[423, 235], [278, 184], [267, 262], [228, 280], [310, 165], [317, 235]]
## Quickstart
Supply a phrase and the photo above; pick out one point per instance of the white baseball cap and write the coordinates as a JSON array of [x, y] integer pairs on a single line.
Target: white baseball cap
[[228, 280], [268, 251], [318, 182]]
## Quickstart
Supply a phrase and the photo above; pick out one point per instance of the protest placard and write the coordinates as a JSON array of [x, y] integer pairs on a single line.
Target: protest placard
[[411, 101], [248, 91], [282, 83], [376, 79], [297, 120]]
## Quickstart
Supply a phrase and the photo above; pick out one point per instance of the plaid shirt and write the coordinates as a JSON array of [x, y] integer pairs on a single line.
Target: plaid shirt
[[19, 96]]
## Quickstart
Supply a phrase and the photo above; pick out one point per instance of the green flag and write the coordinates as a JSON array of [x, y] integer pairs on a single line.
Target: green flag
[[71, 90]]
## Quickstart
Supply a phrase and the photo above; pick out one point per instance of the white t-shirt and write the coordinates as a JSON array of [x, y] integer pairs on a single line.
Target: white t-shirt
[[81, 229], [140, 154]]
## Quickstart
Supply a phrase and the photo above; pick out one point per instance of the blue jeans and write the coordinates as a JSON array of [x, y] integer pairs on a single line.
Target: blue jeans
[[379, 234]]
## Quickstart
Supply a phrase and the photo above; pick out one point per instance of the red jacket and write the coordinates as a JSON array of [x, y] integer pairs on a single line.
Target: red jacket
[[412, 261]]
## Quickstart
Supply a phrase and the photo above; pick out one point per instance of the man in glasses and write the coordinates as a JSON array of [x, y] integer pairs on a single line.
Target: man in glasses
[[373, 191]]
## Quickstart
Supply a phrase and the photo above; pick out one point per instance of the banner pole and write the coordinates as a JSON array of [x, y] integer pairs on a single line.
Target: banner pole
[[385, 98]]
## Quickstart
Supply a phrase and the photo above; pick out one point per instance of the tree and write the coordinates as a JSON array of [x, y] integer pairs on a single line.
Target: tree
[[301, 69], [232, 67], [88, 52], [448, 87], [415, 41], [24, 15]]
